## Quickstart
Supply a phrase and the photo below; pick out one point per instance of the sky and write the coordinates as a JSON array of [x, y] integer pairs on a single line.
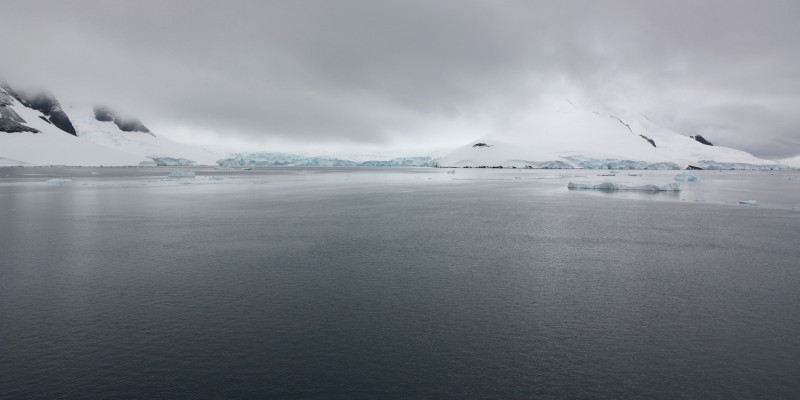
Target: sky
[[287, 75]]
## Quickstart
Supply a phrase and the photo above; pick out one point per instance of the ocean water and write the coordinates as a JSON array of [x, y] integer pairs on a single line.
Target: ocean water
[[396, 283]]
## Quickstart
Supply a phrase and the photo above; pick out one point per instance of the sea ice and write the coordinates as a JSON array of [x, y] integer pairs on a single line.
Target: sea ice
[[688, 176], [180, 174], [611, 186]]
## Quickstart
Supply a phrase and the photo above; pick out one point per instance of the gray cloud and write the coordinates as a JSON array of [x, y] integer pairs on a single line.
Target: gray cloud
[[388, 72]]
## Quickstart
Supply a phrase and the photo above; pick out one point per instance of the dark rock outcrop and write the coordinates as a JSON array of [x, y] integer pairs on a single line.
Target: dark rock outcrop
[[11, 126], [622, 122], [8, 112], [653, 142], [481, 145], [692, 167], [130, 125], [701, 140], [103, 114], [47, 104], [125, 124]]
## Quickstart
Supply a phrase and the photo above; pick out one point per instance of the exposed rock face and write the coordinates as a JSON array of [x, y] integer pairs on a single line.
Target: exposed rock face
[[103, 114], [11, 126], [10, 121], [702, 140], [125, 124], [5, 98], [131, 125], [651, 141], [47, 104], [8, 112]]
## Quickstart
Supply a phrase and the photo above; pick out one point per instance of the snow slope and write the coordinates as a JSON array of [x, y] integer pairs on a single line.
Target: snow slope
[[161, 150], [565, 136], [52, 146]]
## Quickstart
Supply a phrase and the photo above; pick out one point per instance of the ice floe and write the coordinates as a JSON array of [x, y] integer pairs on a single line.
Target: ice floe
[[688, 176], [612, 186]]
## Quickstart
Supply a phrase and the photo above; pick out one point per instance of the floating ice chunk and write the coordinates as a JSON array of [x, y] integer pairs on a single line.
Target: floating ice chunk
[[451, 172], [95, 173], [611, 186], [749, 202], [688, 176], [180, 174], [635, 174], [796, 208], [59, 180]]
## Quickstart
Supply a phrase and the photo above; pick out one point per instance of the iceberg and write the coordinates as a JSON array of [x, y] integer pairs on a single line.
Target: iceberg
[[688, 176], [611, 186], [59, 180], [749, 202], [172, 161]]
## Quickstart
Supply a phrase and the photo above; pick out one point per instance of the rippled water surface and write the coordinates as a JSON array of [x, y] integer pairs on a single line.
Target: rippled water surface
[[396, 283]]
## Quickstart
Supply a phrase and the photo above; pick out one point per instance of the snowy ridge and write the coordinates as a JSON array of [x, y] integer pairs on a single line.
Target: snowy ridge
[[564, 136], [36, 130], [53, 146], [160, 150]]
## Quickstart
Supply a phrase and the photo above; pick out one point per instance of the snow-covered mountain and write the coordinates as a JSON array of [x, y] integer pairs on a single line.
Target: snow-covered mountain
[[102, 126], [33, 136], [36, 130], [566, 136]]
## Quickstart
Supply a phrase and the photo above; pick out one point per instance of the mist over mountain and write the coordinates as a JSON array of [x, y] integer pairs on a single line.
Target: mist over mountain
[[37, 130]]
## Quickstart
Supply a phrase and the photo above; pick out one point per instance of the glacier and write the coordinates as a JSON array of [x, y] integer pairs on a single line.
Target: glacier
[[277, 159]]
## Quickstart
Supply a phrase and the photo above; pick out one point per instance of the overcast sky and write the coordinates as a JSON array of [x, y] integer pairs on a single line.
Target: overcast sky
[[410, 73]]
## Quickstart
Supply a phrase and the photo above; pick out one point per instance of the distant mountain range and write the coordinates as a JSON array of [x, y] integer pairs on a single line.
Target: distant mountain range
[[567, 136], [35, 129]]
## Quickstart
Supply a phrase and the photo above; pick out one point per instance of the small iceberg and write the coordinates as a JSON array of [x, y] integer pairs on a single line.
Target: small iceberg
[[688, 176], [59, 180], [95, 173], [180, 174], [451, 172], [611, 186], [749, 202]]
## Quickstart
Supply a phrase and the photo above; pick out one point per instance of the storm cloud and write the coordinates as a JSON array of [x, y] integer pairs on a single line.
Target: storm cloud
[[403, 72]]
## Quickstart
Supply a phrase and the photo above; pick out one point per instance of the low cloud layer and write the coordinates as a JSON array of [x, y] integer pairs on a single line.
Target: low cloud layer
[[403, 73]]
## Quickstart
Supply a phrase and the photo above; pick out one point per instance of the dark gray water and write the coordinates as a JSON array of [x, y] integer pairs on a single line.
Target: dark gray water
[[393, 283]]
